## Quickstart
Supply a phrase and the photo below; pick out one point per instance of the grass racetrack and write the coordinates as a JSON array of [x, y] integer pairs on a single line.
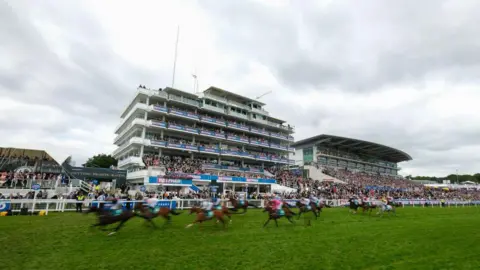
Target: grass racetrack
[[417, 238]]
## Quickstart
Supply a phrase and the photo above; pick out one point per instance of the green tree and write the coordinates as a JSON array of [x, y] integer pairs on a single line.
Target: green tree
[[101, 161]]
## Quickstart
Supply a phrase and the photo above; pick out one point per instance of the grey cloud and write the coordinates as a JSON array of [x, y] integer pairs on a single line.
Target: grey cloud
[[356, 46], [32, 73]]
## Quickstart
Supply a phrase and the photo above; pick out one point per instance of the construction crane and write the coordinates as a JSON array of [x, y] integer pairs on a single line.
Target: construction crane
[[264, 94]]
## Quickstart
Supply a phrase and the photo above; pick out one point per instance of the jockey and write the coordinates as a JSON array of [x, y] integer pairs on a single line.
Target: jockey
[[241, 198], [277, 205], [152, 203], [389, 200], [315, 200], [207, 208], [354, 199], [117, 207], [305, 202], [367, 200], [217, 203]]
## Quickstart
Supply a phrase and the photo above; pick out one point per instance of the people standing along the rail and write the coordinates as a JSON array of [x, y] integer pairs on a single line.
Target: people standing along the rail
[[80, 199]]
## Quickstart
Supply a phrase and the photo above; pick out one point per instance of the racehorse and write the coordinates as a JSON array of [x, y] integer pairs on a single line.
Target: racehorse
[[395, 204], [354, 205], [237, 205], [106, 217], [202, 216], [304, 209], [368, 207], [149, 214], [272, 214], [387, 208], [225, 211]]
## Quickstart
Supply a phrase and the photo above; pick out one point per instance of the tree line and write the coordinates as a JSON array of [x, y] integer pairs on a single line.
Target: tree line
[[452, 177]]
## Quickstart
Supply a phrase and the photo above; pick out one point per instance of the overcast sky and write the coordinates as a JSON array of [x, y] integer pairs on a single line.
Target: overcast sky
[[400, 73]]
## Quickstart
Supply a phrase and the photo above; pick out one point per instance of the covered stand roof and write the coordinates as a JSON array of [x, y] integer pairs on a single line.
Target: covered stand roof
[[26, 153], [359, 146], [230, 95]]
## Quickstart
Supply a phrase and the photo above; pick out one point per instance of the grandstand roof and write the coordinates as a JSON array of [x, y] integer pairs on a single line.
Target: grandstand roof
[[374, 149], [230, 95], [20, 152]]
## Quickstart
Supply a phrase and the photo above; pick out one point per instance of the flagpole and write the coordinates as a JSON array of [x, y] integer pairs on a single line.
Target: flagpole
[[175, 59]]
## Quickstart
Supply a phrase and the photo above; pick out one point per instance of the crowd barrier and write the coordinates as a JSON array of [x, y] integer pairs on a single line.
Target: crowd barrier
[[63, 205]]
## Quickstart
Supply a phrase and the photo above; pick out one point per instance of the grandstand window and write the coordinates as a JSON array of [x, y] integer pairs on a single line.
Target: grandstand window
[[308, 154]]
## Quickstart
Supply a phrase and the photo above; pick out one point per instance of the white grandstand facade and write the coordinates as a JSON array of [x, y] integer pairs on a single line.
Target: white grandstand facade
[[230, 134], [347, 153]]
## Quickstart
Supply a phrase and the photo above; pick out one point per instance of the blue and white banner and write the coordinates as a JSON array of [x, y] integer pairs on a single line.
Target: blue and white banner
[[158, 143], [154, 180], [213, 120], [209, 150], [4, 205], [159, 124], [159, 108], [162, 203], [191, 130], [191, 147]]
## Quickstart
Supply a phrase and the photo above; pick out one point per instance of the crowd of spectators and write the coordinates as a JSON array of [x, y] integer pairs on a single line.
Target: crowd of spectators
[[374, 185], [24, 179]]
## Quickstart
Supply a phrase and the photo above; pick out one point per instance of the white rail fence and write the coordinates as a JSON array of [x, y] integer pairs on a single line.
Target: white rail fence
[[63, 205]]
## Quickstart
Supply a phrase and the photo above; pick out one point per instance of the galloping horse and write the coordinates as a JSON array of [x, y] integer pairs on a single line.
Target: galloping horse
[[395, 204], [149, 214], [304, 209], [368, 207], [387, 208], [225, 211], [202, 216], [354, 205], [106, 217], [272, 214], [240, 205]]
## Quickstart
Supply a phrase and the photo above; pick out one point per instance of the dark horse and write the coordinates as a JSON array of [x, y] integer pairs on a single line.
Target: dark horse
[[106, 217], [354, 204], [395, 204], [272, 214], [202, 216], [304, 209], [237, 205], [368, 207], [149, 214]]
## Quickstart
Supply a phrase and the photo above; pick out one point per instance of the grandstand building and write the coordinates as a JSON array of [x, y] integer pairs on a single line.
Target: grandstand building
[[346, 153], [182, 141]]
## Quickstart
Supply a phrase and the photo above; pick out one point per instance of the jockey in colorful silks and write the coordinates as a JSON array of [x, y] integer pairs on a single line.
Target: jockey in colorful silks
[[367, 201], [355, 200], [207, 207], [152, 204], [386, 207], [277, 205], [241, 199], [315, 200], [306, 203], [117, 207], [389, 200], [217, 203]]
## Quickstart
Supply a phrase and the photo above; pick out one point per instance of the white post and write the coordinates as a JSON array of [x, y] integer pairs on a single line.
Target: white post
[[34, 201]]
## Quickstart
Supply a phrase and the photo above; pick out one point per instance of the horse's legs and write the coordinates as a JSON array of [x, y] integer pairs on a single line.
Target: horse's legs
[[276, 222], [229, 217], [290, 218], [268, 220], [118, 227], [299, 213]]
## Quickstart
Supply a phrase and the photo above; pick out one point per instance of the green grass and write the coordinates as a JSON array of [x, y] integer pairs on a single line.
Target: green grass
[[418, 238]]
